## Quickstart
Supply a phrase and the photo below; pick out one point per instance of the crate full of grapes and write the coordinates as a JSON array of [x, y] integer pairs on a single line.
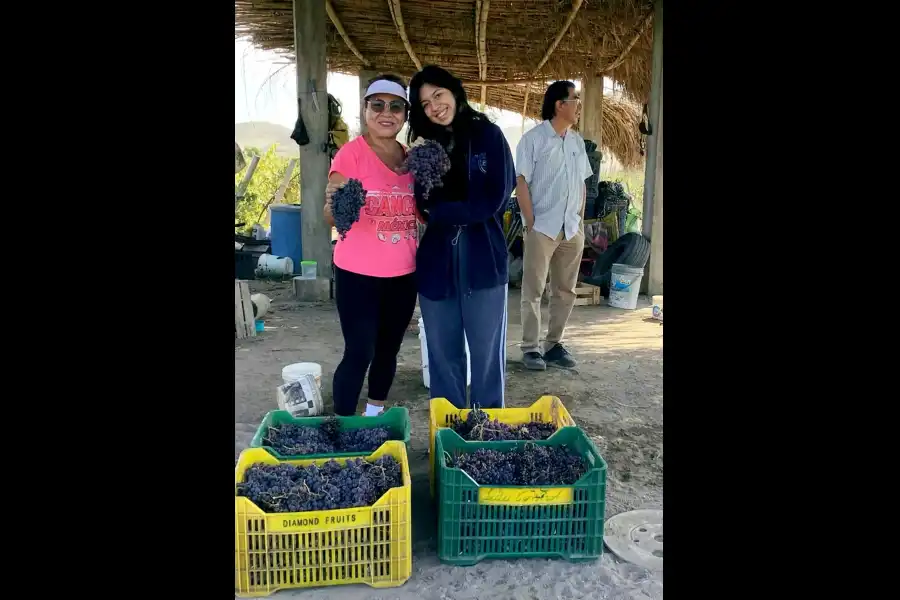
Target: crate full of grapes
[[519, 499], [322, 521], [536, 422], [287, 437]]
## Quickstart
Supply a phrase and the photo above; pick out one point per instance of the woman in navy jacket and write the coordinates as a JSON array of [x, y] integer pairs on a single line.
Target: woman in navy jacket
[[461, 264]]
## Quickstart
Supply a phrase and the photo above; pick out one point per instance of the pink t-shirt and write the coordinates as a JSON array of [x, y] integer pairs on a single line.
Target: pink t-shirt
[[383, 242]]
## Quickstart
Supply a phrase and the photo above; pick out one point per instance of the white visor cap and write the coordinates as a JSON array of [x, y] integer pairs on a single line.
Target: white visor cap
[[383, 86]]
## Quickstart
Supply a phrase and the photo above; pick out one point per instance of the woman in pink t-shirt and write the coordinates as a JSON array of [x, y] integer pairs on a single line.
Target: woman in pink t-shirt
[[375, 264]]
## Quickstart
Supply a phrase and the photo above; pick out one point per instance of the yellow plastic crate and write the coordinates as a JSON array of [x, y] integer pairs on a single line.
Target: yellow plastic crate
[[547, 409], [276, 551]]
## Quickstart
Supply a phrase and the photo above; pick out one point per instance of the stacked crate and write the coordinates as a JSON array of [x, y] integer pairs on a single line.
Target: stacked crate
[[479, 522], [370, 544]]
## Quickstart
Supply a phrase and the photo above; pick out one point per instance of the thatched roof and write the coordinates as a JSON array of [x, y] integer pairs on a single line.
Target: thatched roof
[[535, 40]]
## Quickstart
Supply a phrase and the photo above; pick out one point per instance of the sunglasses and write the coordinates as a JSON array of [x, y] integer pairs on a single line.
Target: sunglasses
[[396, 106]]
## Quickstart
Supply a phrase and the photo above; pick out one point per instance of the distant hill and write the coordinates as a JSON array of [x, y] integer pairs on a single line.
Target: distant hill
[[260, 134]]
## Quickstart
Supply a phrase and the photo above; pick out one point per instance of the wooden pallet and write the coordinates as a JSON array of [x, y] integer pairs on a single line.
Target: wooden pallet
[[587, 295], [244, 323]]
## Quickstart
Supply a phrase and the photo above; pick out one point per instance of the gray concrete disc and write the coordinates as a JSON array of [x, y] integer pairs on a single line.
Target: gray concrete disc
[[637, 537]]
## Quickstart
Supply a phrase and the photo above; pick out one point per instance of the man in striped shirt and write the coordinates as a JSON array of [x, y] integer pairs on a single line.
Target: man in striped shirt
[[551, 166]]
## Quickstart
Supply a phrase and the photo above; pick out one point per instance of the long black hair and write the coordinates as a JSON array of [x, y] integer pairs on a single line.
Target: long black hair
[[419, 123], [455, 138]]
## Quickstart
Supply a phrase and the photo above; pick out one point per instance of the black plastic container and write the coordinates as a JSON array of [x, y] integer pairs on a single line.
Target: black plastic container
[[245, 264]]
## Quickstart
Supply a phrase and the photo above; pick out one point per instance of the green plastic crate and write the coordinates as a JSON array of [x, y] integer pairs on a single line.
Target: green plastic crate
[[479, 522], [396, 419]]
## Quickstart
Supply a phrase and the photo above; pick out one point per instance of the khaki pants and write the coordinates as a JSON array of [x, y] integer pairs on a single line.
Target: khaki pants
[[562, 258]]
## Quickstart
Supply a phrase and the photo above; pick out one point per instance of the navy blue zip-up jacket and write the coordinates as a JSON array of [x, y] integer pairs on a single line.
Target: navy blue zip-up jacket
[[491, 179]]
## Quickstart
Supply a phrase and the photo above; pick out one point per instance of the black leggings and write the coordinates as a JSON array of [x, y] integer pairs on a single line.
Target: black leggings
[[374, 314]]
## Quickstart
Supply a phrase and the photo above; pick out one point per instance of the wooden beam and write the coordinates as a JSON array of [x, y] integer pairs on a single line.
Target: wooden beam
[[525, 108], [397, 16], [239, 162], [478, 38], [244, 324], [576, 5], [279, 194], [364, 77], [501, 82], [481, 16], [640, 31], [310, 44], [285, 181], [242, 188], [329, 8]]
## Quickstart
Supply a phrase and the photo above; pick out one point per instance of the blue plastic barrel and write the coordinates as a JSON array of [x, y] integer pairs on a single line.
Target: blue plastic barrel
[[286, 238]]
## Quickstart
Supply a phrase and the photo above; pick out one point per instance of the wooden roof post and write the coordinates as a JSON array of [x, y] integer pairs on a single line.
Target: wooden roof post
[[653, 113], [592, 108], [364, 77], [655, 285], [309, 47]]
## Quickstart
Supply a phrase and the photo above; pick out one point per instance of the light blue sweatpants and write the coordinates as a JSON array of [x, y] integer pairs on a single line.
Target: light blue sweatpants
[[481, 314]]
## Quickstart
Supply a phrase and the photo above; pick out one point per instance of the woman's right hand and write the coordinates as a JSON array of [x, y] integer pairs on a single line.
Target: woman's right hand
[[329, 192]]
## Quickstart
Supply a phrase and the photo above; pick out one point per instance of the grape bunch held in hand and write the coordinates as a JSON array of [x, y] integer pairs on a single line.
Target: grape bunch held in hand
[[287, 488], [428, 162], [346, 204]]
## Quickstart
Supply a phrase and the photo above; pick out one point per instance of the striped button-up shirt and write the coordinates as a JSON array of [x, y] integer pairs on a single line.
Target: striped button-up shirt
[[554, 167]]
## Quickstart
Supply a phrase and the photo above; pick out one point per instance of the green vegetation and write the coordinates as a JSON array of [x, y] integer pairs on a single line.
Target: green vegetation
[[263, 186], [633, 182]]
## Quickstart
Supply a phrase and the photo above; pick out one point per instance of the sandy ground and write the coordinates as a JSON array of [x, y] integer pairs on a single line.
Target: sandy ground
[[615, 395]]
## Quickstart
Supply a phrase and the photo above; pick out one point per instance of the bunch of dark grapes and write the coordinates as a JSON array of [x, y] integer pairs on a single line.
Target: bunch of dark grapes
[[297, 440], [286, 488], [478, 426], [428, 162], [528, 466], [346, 204], [362, 440]]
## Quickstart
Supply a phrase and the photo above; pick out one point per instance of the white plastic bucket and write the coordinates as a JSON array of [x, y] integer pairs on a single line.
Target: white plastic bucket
[[274, 266], [423, 343], [302, 397], [294, 372], [262, 304], [624, 286]]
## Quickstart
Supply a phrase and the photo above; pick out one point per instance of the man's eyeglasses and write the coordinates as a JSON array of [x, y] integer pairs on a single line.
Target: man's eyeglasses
[[396, 106], [576, 100]]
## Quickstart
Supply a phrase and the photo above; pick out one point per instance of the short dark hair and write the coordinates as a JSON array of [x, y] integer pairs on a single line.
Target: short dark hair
[[556, 91]]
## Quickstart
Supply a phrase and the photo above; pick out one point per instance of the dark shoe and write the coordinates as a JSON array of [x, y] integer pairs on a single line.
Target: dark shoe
[[559, 356], [534, 362]]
